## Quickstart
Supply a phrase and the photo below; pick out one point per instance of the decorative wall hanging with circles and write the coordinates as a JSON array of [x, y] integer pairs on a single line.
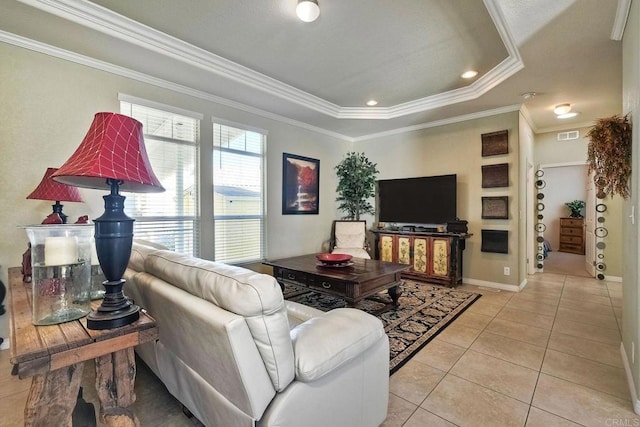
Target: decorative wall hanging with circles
[[600, 219], [601, 232], [601, 207], [539, 173], [540, 216], [601, 266], [540, 184], [540, 227], [601, 245], [600, 256], [539, 239], [600, 276], [540, 257], [540, 206], [540, 196], [540, 265]]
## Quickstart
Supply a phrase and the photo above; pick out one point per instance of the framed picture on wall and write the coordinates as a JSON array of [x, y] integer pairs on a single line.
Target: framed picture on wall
[[495, 207], [495, 175], [495, 143], [300, 185]]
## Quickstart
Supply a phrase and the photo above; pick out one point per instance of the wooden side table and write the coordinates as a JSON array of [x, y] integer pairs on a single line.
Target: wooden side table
[[53, 356]]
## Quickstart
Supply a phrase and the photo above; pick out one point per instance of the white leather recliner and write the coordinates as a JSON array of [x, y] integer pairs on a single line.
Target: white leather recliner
[[236, 354]]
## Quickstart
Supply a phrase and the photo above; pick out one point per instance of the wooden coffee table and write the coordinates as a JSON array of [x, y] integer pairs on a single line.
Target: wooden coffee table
[[364, 278]]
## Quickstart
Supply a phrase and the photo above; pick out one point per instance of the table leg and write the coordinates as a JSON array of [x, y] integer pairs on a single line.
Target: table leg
[[52, 397], [395, 292], [115, 378]]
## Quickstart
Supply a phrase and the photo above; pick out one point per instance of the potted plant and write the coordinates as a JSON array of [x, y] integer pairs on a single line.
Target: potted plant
[[609, 155], [356, 185], [576, 208]]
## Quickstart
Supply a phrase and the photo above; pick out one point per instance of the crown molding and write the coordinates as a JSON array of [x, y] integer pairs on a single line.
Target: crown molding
[[620, 22], [76, 58], [108, 22], [443, 122]]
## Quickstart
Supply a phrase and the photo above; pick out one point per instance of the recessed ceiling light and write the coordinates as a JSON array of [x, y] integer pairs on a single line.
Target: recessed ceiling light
[[469, 74], [372, 103], [308, 10], [567, 115], [562, 109]]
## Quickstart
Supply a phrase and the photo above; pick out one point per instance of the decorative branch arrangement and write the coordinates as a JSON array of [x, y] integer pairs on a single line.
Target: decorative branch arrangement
[[609, 155]]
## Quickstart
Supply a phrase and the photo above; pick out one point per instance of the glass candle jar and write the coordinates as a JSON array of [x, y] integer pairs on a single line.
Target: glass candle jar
[[61, 269]]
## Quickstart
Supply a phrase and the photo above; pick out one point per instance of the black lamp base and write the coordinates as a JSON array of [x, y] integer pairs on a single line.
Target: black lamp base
[[115, 311]]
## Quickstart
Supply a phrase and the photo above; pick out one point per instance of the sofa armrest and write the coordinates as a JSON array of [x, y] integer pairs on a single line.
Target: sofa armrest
[[324, 343], [299, 313]]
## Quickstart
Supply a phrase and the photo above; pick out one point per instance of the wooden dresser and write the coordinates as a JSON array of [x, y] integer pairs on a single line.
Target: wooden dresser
[[572, 235]]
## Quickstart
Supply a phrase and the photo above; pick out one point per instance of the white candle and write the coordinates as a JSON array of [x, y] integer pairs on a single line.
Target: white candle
[[60, 250], [94, 253]]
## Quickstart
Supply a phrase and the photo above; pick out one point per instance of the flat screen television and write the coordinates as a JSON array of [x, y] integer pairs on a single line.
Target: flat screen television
[[424, 200]]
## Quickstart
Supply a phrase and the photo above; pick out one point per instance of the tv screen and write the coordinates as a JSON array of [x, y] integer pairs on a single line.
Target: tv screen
[[425, 200]]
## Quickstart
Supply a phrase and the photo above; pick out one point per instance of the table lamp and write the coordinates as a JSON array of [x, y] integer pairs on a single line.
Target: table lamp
[[48, 189], [112, 155]]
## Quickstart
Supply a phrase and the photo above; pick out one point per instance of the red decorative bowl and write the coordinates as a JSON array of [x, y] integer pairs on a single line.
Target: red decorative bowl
[[333, 258]]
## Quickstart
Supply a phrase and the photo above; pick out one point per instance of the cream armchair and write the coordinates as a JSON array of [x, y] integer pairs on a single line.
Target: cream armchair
[[236, 354], [350, 237]]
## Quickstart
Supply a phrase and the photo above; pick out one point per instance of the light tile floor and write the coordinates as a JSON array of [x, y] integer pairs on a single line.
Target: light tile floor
[[547, 356]]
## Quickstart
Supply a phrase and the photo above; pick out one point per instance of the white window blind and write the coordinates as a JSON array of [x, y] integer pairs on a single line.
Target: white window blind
[[238, 199], [170, 218]]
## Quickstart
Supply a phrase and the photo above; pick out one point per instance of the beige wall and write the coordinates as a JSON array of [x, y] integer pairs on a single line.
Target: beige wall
[[631, 233], [456, 149], [48, 105]]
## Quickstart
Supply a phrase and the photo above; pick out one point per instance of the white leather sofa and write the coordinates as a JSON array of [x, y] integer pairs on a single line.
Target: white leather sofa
[[234, 353]]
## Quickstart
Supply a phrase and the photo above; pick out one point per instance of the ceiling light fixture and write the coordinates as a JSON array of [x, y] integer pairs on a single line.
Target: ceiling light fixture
[[562, 109], [529, 95], [372, 103], [308, 10], [469, 74], [566, 115]]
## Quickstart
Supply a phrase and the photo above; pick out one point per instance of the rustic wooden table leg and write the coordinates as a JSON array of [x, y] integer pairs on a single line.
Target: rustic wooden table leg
[[115, 378], [52, 397]]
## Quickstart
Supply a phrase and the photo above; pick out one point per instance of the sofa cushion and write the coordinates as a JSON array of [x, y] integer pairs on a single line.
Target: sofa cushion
[[139, 251], [257, 297], [324, 343]]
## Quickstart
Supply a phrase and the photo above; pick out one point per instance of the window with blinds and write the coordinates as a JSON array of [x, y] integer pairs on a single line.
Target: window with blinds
[[238, 199], [170, 218]]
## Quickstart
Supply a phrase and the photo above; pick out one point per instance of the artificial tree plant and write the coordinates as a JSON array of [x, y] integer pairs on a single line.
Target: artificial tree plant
[[356, 185], [609, 155]]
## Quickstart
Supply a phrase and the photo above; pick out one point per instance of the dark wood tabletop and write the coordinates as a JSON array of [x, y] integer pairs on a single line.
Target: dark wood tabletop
[[361, 270]]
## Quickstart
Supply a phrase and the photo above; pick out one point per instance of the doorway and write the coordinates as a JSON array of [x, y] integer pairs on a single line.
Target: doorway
[[567, 239]]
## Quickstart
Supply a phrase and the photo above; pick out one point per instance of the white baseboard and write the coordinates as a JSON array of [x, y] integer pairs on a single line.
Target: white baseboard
[[630, 383], [613, 279], [496, 285]]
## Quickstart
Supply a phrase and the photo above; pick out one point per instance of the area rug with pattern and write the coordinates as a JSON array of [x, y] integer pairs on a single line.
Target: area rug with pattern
[[423, 312]]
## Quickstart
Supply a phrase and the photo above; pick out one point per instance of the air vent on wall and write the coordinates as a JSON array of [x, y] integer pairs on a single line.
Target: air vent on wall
[[567, 136]]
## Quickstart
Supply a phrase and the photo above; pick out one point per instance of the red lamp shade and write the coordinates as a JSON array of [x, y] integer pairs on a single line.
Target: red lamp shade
[[48, 189], [113, 148]]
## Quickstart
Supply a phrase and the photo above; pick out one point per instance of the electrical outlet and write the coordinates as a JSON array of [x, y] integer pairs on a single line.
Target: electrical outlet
[[507, 271]]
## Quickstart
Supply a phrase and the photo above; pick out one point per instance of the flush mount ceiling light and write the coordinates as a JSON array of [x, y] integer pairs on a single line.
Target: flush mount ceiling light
[[308, 10], [562, 109], [529, 95], [372, 103], [469, 74], [566, 115]]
